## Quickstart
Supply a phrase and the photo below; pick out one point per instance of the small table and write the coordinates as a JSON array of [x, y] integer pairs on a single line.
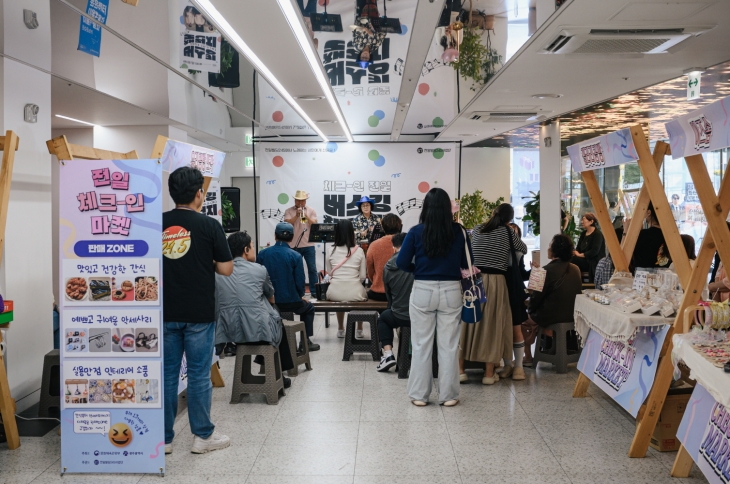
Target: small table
[[333, 306], [610, 322]]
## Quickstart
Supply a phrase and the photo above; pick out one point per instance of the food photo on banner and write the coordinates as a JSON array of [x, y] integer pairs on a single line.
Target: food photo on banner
[[337, 175], [200, 42], [110, 221]]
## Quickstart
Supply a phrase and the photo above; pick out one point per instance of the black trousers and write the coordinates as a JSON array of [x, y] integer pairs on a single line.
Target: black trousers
[[284, 352], [387, 322], [304, 309], [377, 296]]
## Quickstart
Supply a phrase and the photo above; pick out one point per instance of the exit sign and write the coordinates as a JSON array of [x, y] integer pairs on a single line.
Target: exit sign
[[249, 161], [249, 140]]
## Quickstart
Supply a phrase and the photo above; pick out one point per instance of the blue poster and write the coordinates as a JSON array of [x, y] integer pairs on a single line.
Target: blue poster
[[90, 33], [112, 385], [625, 371]]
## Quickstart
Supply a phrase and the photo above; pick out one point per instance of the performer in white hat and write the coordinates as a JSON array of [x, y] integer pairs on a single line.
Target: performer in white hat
[[302, 217]]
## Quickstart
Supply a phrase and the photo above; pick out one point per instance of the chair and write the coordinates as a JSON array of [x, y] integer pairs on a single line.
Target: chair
[[292, 328], [353, 345], [560, 358], [50, 403], [270, 384], [403, 363]]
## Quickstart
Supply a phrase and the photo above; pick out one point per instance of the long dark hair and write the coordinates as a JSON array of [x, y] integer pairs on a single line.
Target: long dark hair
[[344, 235], [501, 216], [438, 234]]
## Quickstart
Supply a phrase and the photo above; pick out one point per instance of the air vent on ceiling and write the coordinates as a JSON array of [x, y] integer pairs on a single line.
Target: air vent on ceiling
[[502, 117], [584, 40]]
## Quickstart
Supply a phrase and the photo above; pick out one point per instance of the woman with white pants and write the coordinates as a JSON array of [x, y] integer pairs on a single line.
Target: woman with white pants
[[434, 250]]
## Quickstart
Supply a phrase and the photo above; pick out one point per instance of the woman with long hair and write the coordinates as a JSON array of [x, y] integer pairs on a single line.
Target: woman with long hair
[[435, 251], [346, 266], [651, 250], [496, 336], [591, 246]]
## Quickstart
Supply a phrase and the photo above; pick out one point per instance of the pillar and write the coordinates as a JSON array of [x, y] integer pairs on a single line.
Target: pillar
[[549, 185]]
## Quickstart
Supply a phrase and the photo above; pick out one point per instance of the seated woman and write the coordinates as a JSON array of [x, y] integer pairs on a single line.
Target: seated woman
[[346, 266], [650, 251], [244, 313], [556, 301], [379, 253], [591, 246]]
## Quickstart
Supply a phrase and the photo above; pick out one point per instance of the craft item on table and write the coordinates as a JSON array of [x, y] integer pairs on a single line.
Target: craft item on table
[[716, 353]]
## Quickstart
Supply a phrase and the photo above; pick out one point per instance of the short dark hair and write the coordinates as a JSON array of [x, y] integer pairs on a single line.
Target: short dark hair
[[391, 224], [591, 217], [238, 242], [562, 247], [689, 246], [285, 237], [184, 183], [398, 239]]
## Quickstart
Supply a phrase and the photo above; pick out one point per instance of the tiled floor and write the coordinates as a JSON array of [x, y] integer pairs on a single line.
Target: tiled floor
[[344, 423]]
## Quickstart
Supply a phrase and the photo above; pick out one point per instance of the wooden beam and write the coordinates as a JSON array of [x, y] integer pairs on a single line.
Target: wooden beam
[[7, 406], [682, 463], [6, 174], [68, 151], [620, 261], [2, 144], [628, 243], [581, 386]]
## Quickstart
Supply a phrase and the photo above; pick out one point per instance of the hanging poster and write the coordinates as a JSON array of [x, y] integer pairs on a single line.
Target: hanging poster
[[200, 42], [110, 223], [90, 32], [611, 149], [625, 371], [212, 204], [177, 154], [705, 434], [706, 129]]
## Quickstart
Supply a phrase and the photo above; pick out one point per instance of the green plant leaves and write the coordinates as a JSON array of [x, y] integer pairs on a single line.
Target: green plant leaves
[[475, 210]]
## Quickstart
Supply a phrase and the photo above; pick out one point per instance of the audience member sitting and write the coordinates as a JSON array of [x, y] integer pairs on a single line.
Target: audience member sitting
[[244, 313], [555, 303], [379, 253], [650, 250], [605, 268], [346, 266], [398, 285], [689, 247], [286, 269]]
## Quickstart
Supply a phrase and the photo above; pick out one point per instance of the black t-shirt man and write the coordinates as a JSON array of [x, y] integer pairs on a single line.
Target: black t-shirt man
[[191, 242]]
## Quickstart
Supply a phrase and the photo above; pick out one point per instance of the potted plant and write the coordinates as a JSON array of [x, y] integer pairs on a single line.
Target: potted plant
[[476, 61], [229, 75], [228, 213], [532, 215], [475, 210]]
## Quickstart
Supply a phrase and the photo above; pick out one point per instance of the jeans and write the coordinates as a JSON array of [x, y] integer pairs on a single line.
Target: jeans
[[304, 309], [309, 256], [196, 341], [435, 306], [387, 322]]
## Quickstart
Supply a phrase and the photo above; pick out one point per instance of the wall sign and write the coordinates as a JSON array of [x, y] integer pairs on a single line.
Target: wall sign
[[110, 222], [706, 129], [200, 42], [610, 149], [693, 86], [178, 154], [90, 33]]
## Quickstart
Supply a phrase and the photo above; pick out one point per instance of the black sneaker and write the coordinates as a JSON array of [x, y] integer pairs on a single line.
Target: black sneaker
[[287, 382], [386, 363], [312, 346], [230, 349]]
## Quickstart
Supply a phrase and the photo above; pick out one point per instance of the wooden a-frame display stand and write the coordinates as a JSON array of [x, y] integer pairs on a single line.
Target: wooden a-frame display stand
[[8, 145], [693, 280]]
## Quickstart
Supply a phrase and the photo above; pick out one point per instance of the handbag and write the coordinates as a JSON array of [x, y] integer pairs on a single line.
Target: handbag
[[471, 306]]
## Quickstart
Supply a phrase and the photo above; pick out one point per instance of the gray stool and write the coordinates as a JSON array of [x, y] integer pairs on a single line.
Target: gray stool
[[244, 382], [353, 345], [50, 404], [292, 328], [403, 363], [560, 358]]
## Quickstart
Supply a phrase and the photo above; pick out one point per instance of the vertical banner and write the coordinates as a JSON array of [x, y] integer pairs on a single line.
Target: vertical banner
[[624, 371], [200, 42], [610, 149], [178, 154], [705, 434], [706, 129], [90, 33], [110, 226]]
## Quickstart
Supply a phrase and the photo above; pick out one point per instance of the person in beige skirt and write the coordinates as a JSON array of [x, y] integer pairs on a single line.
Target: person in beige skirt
[[490, 340], [347, 268]]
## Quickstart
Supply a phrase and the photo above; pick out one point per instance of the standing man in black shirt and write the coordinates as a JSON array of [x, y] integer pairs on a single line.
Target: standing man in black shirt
[[195, 248]]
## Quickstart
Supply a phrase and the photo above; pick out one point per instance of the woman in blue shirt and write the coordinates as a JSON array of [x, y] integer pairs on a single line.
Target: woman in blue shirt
[[434, 250]]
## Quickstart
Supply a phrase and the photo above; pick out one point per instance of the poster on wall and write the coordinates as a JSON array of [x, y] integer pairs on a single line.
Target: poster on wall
[[178, 154], [705, 435], [200, 42], [336, 175], [90, 32], [611, 149], [110, 221], [624, 371], [703, 130]]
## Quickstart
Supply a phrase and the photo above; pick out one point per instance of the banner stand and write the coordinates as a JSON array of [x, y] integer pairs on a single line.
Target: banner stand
[[65, 151], [693, 280], [8, 145]]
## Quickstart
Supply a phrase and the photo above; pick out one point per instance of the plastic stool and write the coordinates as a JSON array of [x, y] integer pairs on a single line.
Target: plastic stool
[[403, 363], [244, 382], [560, 358], [50, 403], [287, 315], [353, 345], [292, 328]]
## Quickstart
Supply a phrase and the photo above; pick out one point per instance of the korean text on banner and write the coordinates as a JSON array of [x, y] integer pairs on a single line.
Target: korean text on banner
[[610, 149], [705, 434], [624, 371], [706, 129], [90, 32], [110, 221], [177, 154], [201, 51]]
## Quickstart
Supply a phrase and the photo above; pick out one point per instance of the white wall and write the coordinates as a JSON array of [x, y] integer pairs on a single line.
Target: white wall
[[485, 169], [123, 139]]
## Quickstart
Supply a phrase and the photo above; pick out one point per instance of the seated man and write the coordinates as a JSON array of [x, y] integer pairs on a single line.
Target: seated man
[[244, 313], [379, 253], [398, 285], [286, 269]]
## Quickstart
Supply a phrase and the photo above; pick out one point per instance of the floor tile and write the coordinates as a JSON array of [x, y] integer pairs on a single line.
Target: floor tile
[[313, 459]]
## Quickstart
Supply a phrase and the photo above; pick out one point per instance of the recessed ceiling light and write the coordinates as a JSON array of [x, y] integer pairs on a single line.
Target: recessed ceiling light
[[309, 97], [325, 121], [546, 96], [75, 120]]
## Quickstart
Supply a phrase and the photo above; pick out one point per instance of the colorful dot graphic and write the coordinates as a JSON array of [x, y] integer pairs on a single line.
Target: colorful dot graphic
[[376, 158], [424, 187], [283, 198], [331, 147], [376, 118], [423, 88], [438, 153], [278, 116], [403, 29], [437, 122], [278, 161]]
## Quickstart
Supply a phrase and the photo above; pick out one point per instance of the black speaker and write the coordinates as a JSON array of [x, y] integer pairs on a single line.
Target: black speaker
[[234, 195]]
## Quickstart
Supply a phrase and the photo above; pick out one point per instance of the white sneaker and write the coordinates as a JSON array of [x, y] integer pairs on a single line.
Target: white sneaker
[[386, 362], [340, 333], [359, 334], [216, 441], [168, 448]]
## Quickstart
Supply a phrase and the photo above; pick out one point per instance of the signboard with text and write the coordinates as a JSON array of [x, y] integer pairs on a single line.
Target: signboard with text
[[178, 154], [110, 225], [610, 149], [90, 32], [706, 129]]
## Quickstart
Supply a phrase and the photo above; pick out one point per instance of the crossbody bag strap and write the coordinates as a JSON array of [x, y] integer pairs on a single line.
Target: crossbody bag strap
[[344, 260], [468, 256]]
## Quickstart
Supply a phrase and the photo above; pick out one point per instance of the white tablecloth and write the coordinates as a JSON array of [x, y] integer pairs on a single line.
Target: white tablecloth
[[611, 323], [714, 379]]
